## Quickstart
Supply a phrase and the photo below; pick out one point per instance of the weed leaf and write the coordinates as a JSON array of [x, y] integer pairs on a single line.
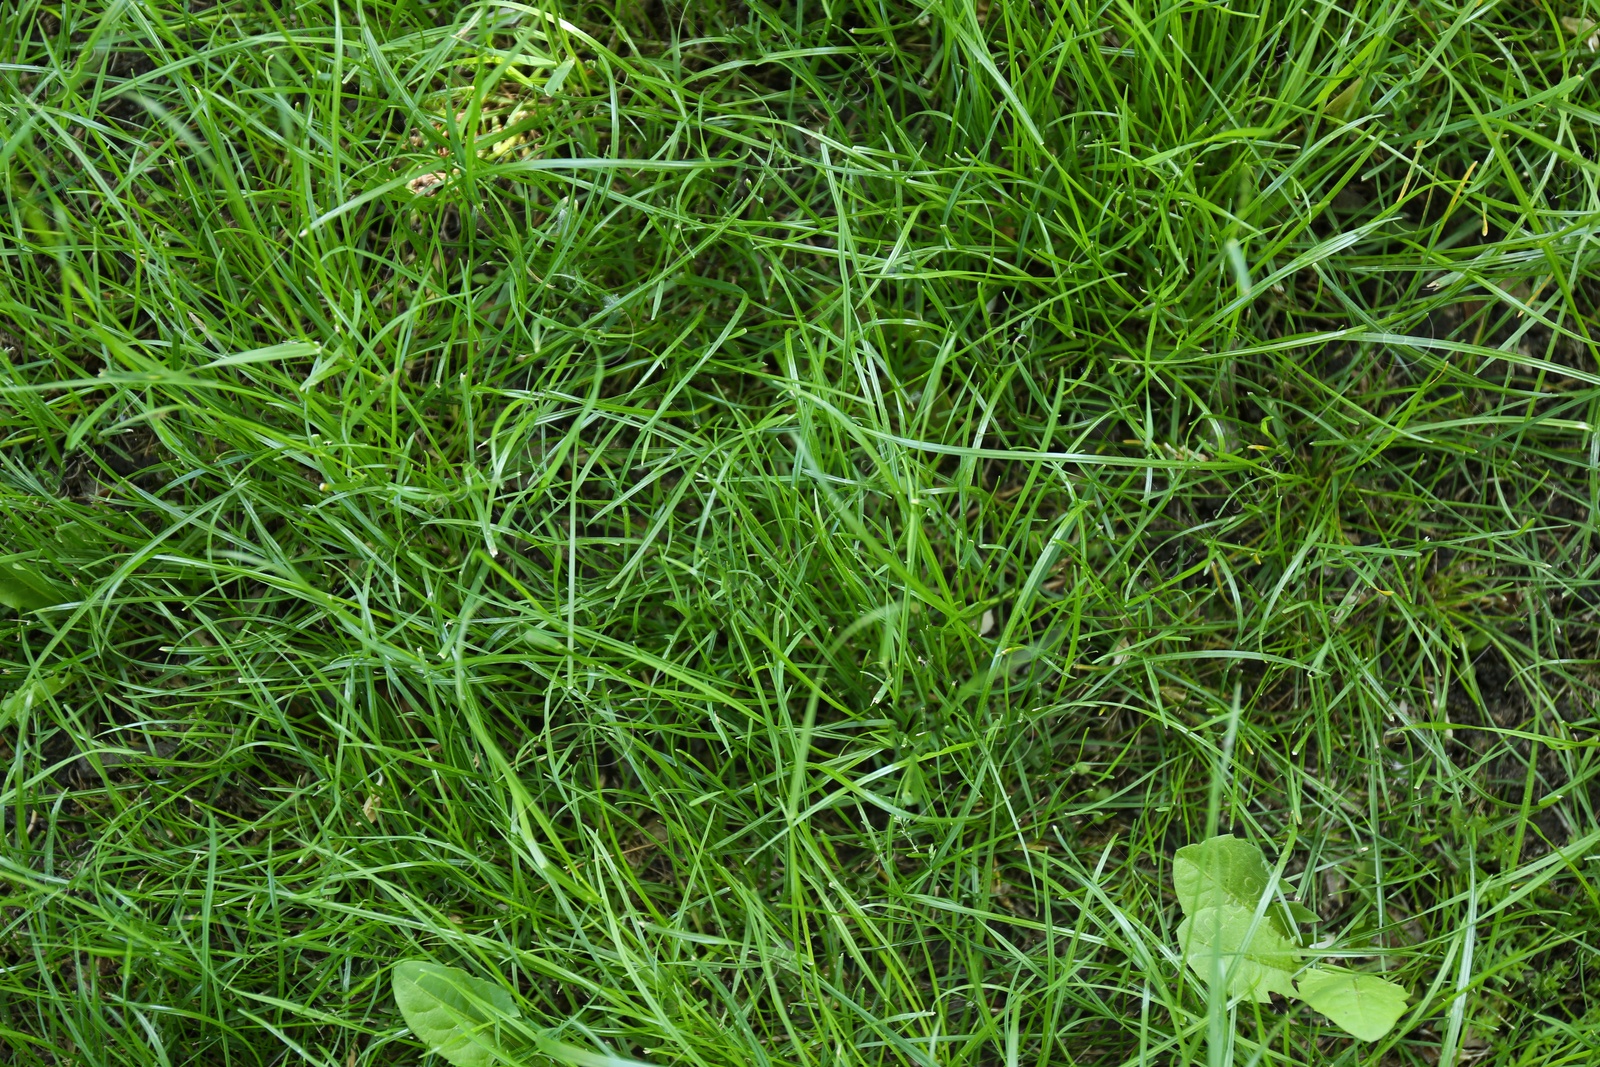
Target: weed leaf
[[453, 1013], [1261, 963], [22, 588], [1341, 106], [1361, 1004], [1226, 870], [1299, 913], [21, 700], [1223, 870]]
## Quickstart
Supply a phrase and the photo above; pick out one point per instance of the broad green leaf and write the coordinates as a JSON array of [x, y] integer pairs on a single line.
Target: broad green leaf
[[22, 588], [453, 1013], [1261, 963], [1299, 913], [24, 698], [1360, 1004], [1224, 870], [1341, 106]]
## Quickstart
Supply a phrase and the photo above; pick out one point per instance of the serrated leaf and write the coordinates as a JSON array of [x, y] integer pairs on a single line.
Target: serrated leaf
[[26, 697], [22, 588], [1362, 1005], [1219, 940], [454, 1014]]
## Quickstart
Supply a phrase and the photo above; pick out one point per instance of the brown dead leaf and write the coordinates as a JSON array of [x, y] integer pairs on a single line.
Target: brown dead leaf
[[1580, 27]]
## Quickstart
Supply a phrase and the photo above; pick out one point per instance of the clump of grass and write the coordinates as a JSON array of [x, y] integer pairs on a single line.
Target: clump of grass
[[775, 574]]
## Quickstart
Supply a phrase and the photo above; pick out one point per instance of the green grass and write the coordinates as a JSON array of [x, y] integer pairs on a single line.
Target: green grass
[[774, 577]]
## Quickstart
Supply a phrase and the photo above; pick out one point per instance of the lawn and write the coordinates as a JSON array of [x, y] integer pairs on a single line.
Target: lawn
[[758, 529]]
